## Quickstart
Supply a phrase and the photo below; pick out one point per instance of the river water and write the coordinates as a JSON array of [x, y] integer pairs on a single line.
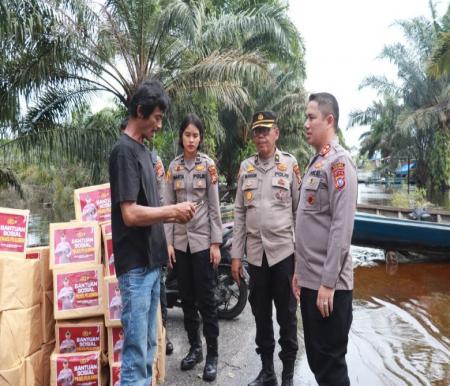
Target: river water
[[401, 328]]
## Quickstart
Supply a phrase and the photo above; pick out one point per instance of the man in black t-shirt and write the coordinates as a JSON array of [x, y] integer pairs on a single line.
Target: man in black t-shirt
[[139, 243]]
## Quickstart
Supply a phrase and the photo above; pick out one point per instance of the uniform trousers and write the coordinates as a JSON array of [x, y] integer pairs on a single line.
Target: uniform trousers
[[326, 338], [197, 281], [269, 284]]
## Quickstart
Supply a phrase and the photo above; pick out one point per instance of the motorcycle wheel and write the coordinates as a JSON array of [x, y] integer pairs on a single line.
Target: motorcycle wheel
[[231, 298]]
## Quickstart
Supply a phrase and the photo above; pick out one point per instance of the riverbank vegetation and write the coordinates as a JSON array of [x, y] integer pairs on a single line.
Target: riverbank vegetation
[[411, 118]]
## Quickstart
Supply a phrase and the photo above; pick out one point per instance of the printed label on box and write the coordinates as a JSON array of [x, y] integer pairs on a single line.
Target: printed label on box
[[33, 255], [74, 245], [13, 230], [110, 257], [79, 339], [96, 205], [115, 303], [77, 370], [77, 290], [115, 375], [117, 340]]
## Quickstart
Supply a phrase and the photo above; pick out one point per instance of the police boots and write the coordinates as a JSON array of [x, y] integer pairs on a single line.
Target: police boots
[[267, 376], [210, 370], [287, 376], [194, 356]]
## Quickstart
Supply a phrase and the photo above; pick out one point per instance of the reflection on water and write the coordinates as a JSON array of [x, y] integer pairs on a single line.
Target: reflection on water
[[401, 328]]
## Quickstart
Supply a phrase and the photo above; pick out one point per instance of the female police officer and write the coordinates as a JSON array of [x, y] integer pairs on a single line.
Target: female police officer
[[192, 176]]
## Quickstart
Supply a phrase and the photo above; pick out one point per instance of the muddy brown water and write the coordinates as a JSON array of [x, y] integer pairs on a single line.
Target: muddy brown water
[[401, 328]]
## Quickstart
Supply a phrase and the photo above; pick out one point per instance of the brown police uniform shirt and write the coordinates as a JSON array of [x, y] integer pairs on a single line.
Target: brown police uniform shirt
[[325, 217], [194, 182], [264, 214], [158, 167]]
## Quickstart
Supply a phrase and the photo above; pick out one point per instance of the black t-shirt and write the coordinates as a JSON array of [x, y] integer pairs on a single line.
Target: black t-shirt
[[132, 178]]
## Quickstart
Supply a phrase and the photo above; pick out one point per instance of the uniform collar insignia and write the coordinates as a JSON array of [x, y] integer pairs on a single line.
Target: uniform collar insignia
[[325, 150]]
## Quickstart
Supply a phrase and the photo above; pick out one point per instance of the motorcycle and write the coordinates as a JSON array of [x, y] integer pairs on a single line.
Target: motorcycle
[[231, 298]]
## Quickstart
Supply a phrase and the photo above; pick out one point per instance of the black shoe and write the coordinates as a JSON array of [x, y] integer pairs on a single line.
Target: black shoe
[[287, 376], [194, 356], [210, 370], [169, 347], [266, 376]]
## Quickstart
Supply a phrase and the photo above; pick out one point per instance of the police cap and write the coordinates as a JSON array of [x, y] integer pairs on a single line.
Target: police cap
[[264, 119]]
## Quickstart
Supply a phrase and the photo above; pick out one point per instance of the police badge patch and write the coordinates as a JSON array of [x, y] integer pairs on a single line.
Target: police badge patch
[[338, 170], [213, 173], [297, 173]]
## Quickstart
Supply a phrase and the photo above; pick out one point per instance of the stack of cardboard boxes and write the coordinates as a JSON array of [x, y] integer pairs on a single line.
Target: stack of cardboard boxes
[[23, 324], [73, 282]]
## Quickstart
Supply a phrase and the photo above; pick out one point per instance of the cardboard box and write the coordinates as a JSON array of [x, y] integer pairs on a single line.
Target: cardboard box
[[48, 320], [34, 372], [20, 335], [80, 336], [108, 253], [79, 368], [159, 365], [78, 291], [20, 283], [113, 302], [114, 374], [13, 232], [42, 254], [14, 376], [74, 243], [93, 203], [47, 350], [115, 344]]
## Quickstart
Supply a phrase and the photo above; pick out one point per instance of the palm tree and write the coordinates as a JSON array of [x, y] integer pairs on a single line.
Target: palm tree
[[72, 50], [439, 62], [421, 117]]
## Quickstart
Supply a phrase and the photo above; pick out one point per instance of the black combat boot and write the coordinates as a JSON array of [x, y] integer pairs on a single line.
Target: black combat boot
[[210, 370], [267, 376], [287, 376], [194, 356], [169, 346]]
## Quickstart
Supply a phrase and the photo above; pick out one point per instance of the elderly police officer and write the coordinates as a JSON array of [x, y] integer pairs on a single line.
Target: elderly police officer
[[323, 234], [195, 246], [266, 201]]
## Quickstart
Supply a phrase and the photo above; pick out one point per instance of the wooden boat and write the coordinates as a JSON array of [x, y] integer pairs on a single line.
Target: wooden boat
[[399, 234]]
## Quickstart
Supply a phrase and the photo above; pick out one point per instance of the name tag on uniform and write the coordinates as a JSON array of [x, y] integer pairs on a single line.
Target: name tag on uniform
[[312, 183]]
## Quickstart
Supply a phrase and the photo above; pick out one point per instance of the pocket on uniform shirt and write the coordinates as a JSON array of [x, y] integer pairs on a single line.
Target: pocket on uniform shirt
[[310, 200], [281, 190], [199, 183], [250, 188]]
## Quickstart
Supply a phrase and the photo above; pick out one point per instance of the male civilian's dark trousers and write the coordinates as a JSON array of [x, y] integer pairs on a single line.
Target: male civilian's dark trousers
[[269, 284], [197, 281], [326, 338]]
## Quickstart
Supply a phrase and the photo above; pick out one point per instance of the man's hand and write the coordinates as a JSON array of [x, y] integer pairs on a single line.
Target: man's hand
[[172, 259], [236, 270], [184, 211], [214, 255], [324, 301], [296, 287]]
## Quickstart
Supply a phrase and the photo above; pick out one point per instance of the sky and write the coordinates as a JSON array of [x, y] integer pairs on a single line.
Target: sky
[[342, 41]]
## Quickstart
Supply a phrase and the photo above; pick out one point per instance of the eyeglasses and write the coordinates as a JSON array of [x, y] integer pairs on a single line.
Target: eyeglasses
[[261, 130]]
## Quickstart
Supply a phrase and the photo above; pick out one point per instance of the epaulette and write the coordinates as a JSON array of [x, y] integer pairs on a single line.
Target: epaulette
[[205, 156], [288, 154], [179, 156]]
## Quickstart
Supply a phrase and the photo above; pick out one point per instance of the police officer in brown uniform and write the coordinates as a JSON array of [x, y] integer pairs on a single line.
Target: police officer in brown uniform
[[266, 201], [195, 246], [323, 278]]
